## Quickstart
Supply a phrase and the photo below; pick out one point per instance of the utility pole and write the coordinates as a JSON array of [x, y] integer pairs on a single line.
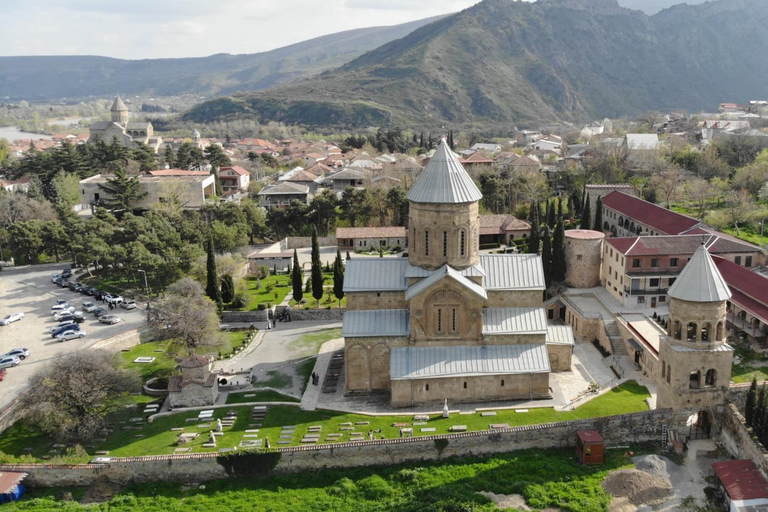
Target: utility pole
[[146, 286]]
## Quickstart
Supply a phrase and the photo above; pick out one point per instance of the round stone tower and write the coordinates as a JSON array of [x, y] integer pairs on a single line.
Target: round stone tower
[[444, 219], [119, 111], [583, 251]]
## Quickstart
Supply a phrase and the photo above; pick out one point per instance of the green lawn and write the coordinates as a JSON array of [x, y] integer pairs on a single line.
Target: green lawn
[[748, 233], [750, 366], [305, 371], [157, 437], [545, 478], [162, 366], [279, 286], [309, 344], [266, 395]]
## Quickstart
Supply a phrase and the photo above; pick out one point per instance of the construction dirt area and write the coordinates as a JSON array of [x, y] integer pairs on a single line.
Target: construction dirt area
[[661, 485]]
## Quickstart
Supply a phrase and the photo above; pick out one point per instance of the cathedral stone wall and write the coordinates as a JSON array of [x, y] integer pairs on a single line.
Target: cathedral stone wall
[[514, 299], [430, 223], [367, 362], [514, 339], [560, 357], [583, 254], [432, 315], [692, 378], [357, 301], [470, 389]]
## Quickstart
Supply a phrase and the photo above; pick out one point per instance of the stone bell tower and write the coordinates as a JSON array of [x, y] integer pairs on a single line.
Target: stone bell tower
[[694, 356], [119, 112]]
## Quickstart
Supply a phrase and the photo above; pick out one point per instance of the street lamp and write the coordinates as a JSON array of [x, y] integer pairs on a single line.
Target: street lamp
[[146, 286]]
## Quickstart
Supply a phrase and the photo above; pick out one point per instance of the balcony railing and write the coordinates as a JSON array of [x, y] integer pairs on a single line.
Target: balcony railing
[[659, 291]]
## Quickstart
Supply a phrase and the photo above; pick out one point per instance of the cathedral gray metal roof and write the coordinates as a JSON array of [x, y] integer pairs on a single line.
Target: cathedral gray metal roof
[[375, 274], [440, 274], [513, 272], [514, 321], [700, 280], [449, 361], [118, 105], [444, 180], [382, 322]]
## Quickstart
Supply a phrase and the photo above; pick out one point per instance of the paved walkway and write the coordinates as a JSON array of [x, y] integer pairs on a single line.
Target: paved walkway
[[312, 393]]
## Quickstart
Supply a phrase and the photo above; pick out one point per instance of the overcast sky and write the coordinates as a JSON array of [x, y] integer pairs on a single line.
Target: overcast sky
[[140, 29]]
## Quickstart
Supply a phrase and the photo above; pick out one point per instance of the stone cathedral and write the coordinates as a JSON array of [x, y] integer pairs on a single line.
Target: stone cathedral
[[448, 322]]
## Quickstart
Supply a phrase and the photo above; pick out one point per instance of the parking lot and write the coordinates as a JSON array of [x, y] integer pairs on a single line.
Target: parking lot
[[30, 291]]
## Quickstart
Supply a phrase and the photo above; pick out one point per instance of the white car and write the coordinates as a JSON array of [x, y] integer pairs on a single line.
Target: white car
[[71, 335], [110, 319], [61, 306], [89, 307], [113, 299], [9, 319], [7, 362], [55, 277], [63, 312], [21, 353], [129, 304]]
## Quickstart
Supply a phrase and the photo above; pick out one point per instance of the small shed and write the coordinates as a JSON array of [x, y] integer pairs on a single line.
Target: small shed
[[11, 488], [590, 447], [746, 490]]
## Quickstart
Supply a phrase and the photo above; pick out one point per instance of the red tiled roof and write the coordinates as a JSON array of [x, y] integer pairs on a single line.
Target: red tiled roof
[[660, 219], [741, 479], [750, 290], [621, 244], [590, 436], [584, 234], [385, 232], [666, 245], [9, 480], [236, 168], [476, 158], [194, 361], [499, 224]]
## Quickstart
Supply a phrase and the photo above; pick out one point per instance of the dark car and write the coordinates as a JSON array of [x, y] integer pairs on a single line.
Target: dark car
[[63, 329], [63, 283], [66, 273], [72, 286], [98, 294], [77, 316], [100, 312], [78, 288], [87, 290]]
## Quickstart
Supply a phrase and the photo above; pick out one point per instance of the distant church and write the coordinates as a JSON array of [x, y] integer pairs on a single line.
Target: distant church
[[127, 133], [448, 322]]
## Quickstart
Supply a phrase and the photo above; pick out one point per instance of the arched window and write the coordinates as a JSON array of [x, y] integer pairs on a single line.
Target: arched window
[[440, 320], [690, 331], [663, 369], [413, 239], [453, 321], [613, 231], [426, 243], [426, 388], [621, 221], [462, 243], [502, 382], [710, 380], [706, 329], [465, 384], [445, 243], [669, 373], [606, 226], [626, 223], [694, 380], [639, 229], [631, 226], [677, 330]]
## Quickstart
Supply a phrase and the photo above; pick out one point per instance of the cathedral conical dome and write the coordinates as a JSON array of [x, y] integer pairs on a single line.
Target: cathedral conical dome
[[700, 280], [444, 181], [118, 105]]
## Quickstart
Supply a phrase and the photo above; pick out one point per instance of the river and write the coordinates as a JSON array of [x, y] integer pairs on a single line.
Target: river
[[12, 133]]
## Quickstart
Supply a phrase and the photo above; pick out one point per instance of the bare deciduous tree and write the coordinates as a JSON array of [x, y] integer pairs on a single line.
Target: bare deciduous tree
[[700, 193], [668, 183], [740, 208], [186, 315], [650, 119], [71, 397]]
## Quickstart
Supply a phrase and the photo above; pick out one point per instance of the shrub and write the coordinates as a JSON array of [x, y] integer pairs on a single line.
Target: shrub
[[375, 488], [262, 306]]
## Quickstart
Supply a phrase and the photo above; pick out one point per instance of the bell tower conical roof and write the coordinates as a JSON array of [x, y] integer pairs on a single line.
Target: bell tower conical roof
[[118, 105], [444, 180], [700, 280]]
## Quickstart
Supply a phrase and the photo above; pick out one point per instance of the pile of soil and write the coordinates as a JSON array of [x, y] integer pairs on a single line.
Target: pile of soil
[[513, 501], [102, 490], [639, 487]]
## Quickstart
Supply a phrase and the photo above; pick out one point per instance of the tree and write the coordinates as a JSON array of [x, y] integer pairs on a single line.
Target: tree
[[212, 278], [322, 211], [546, 257], [551, 215], [338, 277], [186, 315], [534, 237], [70, 398], [397, 202], [558, 254], [169, 156], [216, 156], [598, 225], [758, 418], [586, 215], [297, 279], [650, 119], [317, 269], [749, 409], [740, 208], [227, 288], [121, 191], [667, 184]]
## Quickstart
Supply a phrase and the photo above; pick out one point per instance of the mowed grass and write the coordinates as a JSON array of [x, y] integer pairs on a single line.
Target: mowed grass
[[265, 395], [545, 478], [749, 367], [257, 290], [162, 366], [309, 344]]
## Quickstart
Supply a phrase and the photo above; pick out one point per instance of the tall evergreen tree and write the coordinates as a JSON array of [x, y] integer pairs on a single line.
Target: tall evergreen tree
[[317, 269], [558, 254], [586, 215], [121, 191], [338, 277], [762, 435], [759, 415], [551, 216], [546, 256], [560, 212], [227, 288], [598, 225], [749, 409], [296, 279], [212, 284], [534, 238]]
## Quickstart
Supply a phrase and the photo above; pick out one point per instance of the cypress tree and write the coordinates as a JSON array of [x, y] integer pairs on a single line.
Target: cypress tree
[[296, 279], [534, 238], [317, 269], [558, 254], [551, 220], [546, 257], [759, 416], [338, 277], [212, 287], [560, 208], [598, 225], [586, 216], [749, 409], [763, 434], [227, 288]]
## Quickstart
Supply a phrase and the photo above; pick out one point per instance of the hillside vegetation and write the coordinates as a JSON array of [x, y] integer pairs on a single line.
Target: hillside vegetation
[[514, 63]]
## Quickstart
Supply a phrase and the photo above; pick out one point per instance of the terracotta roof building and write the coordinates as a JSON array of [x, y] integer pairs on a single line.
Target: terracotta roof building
[[368, 239], [626, 215], [502, 229], [745, 487], [196, 386]]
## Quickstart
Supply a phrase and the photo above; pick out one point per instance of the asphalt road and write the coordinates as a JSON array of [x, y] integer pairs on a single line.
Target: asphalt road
[[29, 290]]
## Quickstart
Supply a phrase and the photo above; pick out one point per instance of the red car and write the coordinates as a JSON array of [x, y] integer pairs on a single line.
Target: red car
[[2, 374]]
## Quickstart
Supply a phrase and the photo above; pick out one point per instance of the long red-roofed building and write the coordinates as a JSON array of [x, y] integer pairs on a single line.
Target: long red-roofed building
[[745, 486], [625, 215]]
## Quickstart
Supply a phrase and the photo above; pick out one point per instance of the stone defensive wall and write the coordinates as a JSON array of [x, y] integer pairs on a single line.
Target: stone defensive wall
[[617, 431]]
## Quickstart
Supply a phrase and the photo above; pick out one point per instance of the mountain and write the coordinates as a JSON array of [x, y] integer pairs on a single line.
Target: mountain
[[654, 6], [41, 78], [505, 62]]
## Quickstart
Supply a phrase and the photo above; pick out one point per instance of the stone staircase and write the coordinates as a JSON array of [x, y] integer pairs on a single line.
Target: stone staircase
[[618, 347]]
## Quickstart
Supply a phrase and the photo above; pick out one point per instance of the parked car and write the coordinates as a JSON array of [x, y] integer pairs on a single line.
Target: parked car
[[62, 302], [21, 353], [63, 283], [55, 277], [87, 290], [110, 319], [76, 317], [60, 307], [63, 323], [71, 335], [65, 312], [9, 319], [99, 312], [89, 307], [113, 299], [65, 328], [128, 304], [72, 285], [7, 362], [67, 272], [2, 374]]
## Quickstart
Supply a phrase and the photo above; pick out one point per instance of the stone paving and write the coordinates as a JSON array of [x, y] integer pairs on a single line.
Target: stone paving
[[312, 393]]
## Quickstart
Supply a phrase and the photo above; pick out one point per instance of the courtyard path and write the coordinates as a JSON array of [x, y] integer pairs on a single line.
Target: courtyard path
[[312, 393]]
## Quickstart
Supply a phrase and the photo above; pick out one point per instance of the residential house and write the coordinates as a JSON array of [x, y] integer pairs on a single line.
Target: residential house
[[550, 142], [191, 189], [526, 163], [728, 108], [476, 159], [254, 145], [502, 229], [745, 488], [347, 177], [15, 185], [638, 271], [310, 159], [526, 137], [504, 160], [487, 148], [367, 239], [306, 178], [282, 194], [641, 148], [592, 130], [711, 128], [234, 179]]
